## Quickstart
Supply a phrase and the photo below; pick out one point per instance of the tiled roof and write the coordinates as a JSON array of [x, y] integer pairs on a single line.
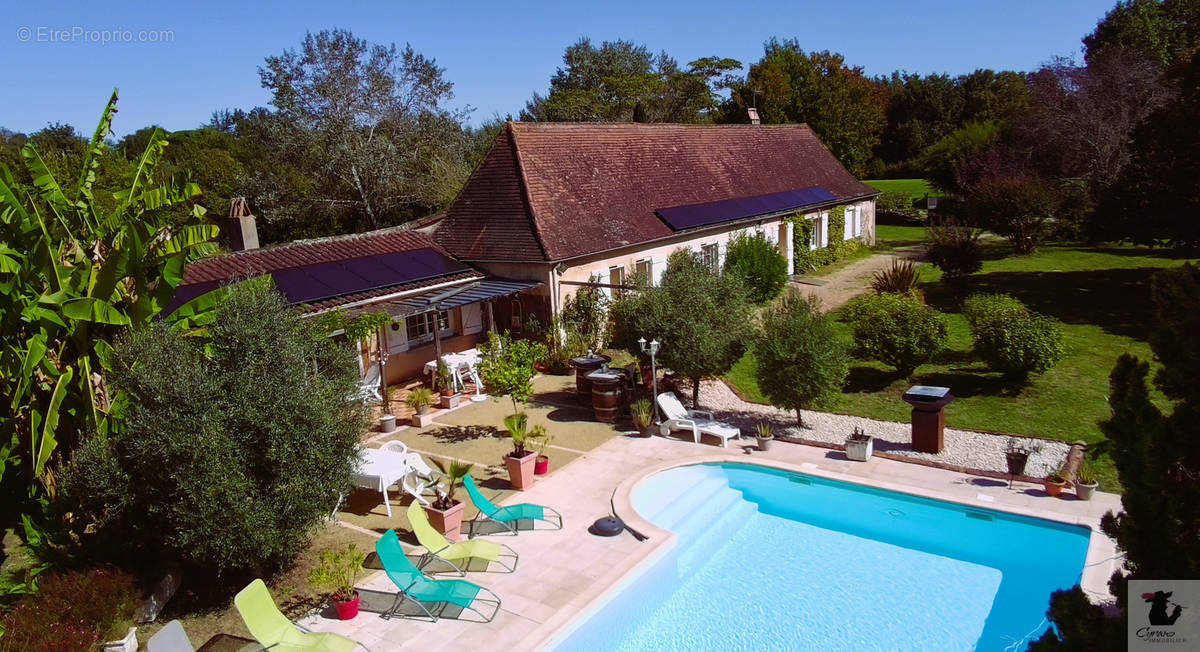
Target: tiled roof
[[243, 264], [208, 273], [553, 191]]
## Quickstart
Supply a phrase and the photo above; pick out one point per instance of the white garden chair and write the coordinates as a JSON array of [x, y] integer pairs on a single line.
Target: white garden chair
[[699, 422]]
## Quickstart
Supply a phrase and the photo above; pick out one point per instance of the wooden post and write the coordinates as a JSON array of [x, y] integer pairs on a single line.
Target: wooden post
[[437, 336], [382, 354], [491, 316]]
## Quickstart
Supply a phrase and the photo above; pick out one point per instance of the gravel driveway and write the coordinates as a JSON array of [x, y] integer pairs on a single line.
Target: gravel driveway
[[854, 279]]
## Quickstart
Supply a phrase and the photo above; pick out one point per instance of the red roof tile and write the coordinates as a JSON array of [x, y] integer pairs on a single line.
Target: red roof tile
[[553, 191]]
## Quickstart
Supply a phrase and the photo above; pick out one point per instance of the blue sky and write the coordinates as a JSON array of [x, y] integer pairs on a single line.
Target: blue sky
[[496, 53]]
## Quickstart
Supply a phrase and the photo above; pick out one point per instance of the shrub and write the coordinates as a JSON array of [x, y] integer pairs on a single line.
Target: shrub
[[894, 202], [952, 246], [232, 449], [897, 330], [72, 611], [1010, 338], [586, 312], [759, 264], [506, 366], [902, 277], [1015, 207], [801, 361]]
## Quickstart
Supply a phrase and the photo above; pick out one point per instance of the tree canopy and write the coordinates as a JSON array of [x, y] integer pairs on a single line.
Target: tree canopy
[[801, 360]]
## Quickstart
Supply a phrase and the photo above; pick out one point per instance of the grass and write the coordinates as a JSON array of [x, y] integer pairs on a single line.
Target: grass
[[889, 237], [915, 188], [838, 265], [1102, 296]]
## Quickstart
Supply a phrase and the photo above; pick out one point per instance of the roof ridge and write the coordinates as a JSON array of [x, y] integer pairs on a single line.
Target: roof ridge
[[525, 198]]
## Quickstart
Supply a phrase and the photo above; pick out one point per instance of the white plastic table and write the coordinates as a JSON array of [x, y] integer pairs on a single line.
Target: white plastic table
[[379, 470], [458, 363]]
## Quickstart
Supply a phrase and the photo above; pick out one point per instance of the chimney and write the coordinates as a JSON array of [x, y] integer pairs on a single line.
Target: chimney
[[752, 113], [239, 230]]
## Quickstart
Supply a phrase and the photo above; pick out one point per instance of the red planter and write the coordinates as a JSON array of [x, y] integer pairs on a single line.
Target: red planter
[[520, 471], [448, 522], [542, 465], [347, 610]]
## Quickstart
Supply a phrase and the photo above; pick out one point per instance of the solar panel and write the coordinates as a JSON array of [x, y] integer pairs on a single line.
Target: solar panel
[[322, 281], [693, 215]]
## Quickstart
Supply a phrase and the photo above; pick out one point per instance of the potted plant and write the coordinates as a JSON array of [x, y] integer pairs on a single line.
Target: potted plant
[[419, 399], [859, 445], [520, 462], [335, 573], [764, 433], [1016, 455], [445, 379], [1085, 481], [445, 513], [643, 416], [387, 423], [1055, 481], [541, 465]]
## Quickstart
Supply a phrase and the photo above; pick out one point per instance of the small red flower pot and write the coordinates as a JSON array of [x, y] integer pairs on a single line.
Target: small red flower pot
[[347, 610], [542, 465]]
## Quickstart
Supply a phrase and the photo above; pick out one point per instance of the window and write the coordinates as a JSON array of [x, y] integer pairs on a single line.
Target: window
[[645, 269], [711, 255], [814, 234], [853, 222], [616, 278], [420, 327]]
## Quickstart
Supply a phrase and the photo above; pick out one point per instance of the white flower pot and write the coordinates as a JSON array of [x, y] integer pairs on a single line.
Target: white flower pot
[[860, 451]]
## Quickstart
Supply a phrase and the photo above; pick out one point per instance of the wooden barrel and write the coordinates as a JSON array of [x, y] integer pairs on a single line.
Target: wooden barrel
[[583, 366], [606, 400]]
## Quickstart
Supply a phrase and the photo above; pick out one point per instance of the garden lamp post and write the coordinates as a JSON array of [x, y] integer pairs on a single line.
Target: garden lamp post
[[652, 349]]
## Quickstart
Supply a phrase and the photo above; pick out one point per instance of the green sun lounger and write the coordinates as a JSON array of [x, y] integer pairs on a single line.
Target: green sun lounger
[[429, 595], [458, 555], [510, 518], [274, 631]]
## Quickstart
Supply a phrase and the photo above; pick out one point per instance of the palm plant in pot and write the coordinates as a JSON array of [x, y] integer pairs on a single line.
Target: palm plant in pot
[[764, 433], [445, 512], [1055, 481], [642, 411], [335, 573], [520, 461], [1086, 482], [419, 399]]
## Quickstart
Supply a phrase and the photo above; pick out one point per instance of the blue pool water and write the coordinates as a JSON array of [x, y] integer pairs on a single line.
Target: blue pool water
[[772, 560]]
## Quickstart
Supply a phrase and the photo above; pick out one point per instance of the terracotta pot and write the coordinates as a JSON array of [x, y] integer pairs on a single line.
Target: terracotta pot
[[542, 465], [448, 392], [448, 522], [520, 470], [347, 609], [1053, 488]]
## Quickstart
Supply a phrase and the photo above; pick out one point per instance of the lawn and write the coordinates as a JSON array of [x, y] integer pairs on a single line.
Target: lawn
[[888, 236], [915, 188], [1100, 294]]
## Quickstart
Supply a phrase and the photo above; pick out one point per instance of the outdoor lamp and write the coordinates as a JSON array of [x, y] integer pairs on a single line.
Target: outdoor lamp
[[652, 349]]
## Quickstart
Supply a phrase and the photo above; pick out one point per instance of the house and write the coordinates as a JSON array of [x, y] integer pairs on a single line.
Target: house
[[438, 304], [564, 203]]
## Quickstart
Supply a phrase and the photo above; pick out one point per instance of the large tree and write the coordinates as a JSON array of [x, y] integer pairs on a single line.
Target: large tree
[[620, 81], [1157, 456], [1163, 31], [789, 85], [698, 315], [802, 361], [368, 128]]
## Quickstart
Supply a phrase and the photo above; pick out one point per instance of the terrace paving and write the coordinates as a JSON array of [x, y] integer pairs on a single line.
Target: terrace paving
[[563, 574]]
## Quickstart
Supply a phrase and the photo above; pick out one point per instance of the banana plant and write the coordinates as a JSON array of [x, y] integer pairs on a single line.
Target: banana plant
[[73, 276]]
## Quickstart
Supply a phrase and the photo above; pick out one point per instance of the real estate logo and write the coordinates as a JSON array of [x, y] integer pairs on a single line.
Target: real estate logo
[[1164, 614]]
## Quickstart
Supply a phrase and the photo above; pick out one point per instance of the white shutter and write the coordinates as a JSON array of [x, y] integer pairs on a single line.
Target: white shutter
[[472, 319], [848, 227], [824, 230], [659, 265]]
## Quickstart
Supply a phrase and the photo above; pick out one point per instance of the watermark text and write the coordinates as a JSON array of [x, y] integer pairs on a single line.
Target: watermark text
[[80, 34]]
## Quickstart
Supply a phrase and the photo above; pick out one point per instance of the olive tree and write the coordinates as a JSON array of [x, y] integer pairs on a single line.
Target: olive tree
[[801, 361], [233, 449]]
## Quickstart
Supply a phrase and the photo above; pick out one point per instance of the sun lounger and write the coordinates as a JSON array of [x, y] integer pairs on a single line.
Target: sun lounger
[[457, 555], [431, 596], [510, 517], [698, 422]]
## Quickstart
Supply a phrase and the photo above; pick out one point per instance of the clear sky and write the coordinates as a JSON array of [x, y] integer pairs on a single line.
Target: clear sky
[[202, 56]]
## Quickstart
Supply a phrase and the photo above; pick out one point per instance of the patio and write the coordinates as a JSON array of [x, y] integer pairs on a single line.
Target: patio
[[562, 574]]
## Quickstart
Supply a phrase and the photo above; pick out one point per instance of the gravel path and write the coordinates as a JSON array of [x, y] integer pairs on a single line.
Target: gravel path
[[854, 279], [972, 450]]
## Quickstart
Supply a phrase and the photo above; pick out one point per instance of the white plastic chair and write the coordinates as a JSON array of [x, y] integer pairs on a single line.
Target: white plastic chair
[[368, 387], [420, 476], [699, 422], [171, 638]]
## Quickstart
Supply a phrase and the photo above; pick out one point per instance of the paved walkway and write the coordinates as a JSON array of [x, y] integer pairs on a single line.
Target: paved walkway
[[563, 574], [843, 285]]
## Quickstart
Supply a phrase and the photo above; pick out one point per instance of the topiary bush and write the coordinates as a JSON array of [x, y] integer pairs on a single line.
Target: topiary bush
[[72, 611], [759, 264], [895, 329], [1011, 338]]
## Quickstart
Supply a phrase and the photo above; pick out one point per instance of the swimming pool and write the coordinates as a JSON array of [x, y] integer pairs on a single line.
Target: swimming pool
[[767, 559]]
